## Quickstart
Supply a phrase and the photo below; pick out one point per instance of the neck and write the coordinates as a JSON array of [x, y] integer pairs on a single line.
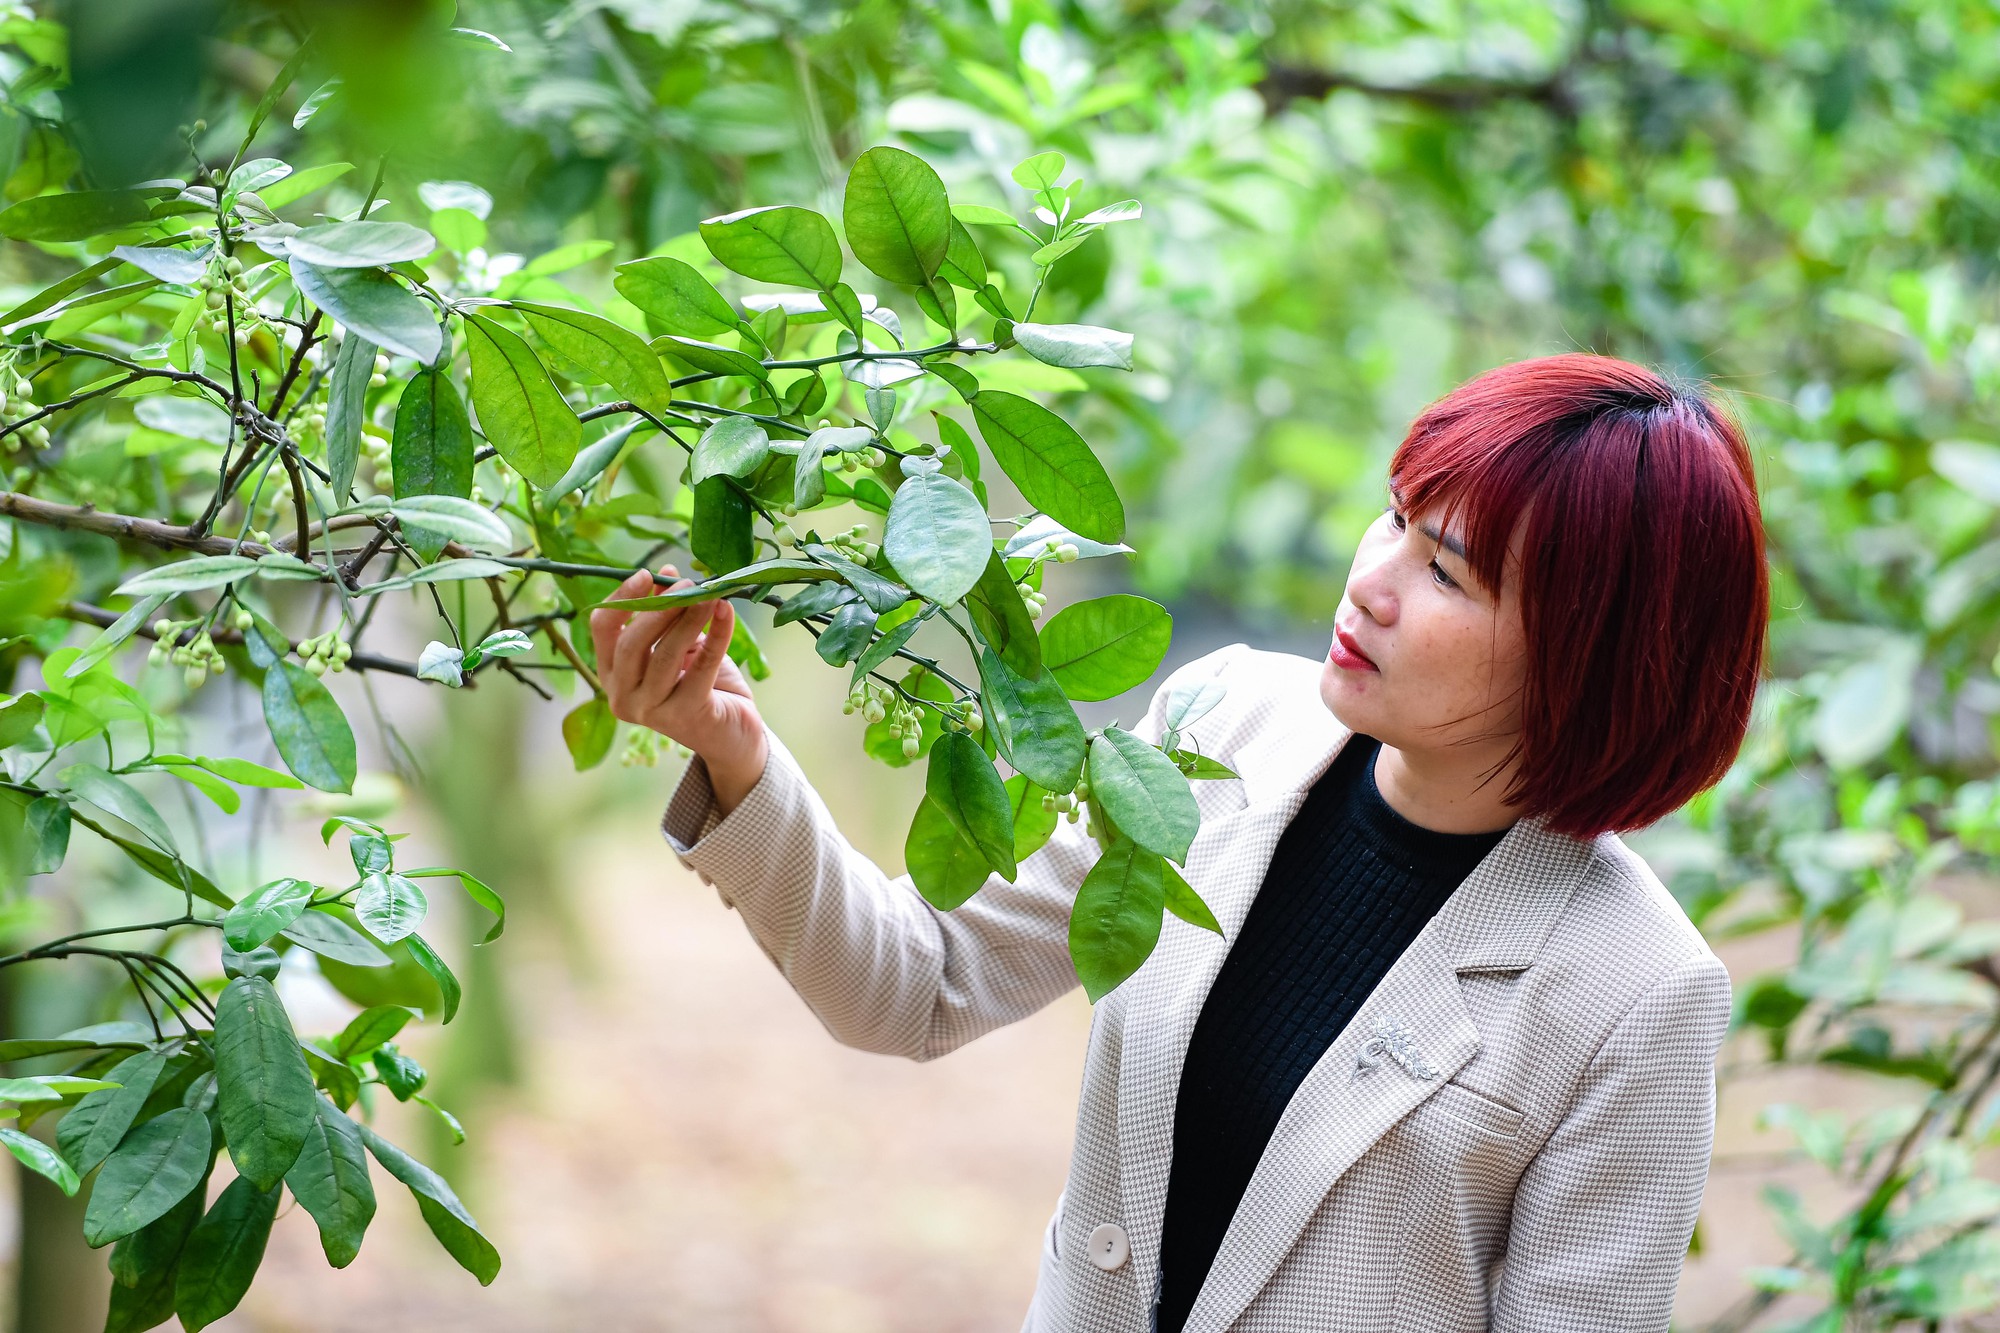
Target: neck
[[1442, 791]]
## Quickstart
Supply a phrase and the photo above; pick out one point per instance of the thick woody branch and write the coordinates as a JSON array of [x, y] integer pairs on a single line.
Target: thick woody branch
[[124, 527]]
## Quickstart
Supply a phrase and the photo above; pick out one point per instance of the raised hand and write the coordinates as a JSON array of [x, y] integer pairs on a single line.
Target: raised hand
[[669, 670]]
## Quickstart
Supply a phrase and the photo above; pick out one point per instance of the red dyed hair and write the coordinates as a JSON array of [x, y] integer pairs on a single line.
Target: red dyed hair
[[1644, 595]]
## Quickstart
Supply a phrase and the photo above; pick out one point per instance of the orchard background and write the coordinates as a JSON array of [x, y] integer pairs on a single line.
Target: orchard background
[[1338, 212]]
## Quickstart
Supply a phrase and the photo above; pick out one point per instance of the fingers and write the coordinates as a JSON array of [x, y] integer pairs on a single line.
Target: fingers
[[713, 652], [632, 650], [670, 654], [605, 622]]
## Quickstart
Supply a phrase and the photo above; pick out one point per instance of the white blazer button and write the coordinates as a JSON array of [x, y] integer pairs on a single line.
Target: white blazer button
[[1109, 1249]]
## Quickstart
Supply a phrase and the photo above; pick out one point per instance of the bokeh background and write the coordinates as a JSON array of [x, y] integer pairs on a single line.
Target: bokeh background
[[1349, 207]]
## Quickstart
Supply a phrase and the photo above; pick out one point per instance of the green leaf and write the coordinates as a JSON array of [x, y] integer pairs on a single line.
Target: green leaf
[[91, 1129], [346, 408], [963, 265], [712, 358], [732, 447], [455, 517], [265, 911], [41, 1159], [962, 782], [427, 958], [404, 1077], [675, 294], [1075, 345], [1185, 903], [302, 183], [1117, 917], [475, 890], [330, 1181], [114, 794], [946, 869], [938, 536], [1033, 826], [19, 719], [145, 1264], [49, 1087], [721, 538], [1032, 722], [615, 355], [566, 257], [390, 906], [444, 571], [264, 1090], [359, 244], [330, 937], [1125, 210], [846, 636], [1002, 621], [1055, 250], [897, 217], [588, 730], [191, 575], [1040, 171], [430, 452], [520, 411], [308, 727], [1051, 464], [1107, 645], [1865, 706], [809, 472], [223, 1252], [446, 1216], [794, 246], [47, 826], [369, 1029], [369, 302], [884, 647], [1199, 767], [151, 1171], [1145, 795], [74, 216], [980, 215]]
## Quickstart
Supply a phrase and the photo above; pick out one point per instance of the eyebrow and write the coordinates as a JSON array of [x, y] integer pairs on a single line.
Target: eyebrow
[[1445, 540]]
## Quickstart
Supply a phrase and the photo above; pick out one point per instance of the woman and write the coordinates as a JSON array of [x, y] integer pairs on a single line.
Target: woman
[[1451, 1064]]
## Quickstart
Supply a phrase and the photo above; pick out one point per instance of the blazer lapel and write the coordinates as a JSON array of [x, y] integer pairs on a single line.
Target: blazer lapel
[[1410, 1036], [1226, 866]]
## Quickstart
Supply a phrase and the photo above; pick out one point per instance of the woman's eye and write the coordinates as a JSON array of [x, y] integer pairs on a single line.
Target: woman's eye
[[1437, 572], [1396, 519]]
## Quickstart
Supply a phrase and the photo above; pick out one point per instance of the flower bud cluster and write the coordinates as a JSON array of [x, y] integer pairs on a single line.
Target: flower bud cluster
[[323, 652], [1067, 804], [642, 748], [17, 401], [224, 280], [878, 703], [197, 658], [855, 460], [1061, 552], [1031, 598], [854, 544], [376, 450]]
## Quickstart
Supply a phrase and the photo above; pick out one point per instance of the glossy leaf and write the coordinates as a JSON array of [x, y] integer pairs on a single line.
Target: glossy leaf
[[675, 293], [359, 244], [328, 936], [1117, 917], [615, 355], [118, 796], [520, 412], [938, 536], [946, 869], [1033, 826], [1075, 345], [962, 783], [74, 216], [1107, 645], [1001, 619], [390, 906], [41, 1159], [369, 302], [260, 914], [223, 1252], [264, 1092], [90, 1130], [430, 451], [712, 358], [308, 727], [455, 517], [330, 1181], [1143, 793], [896, 215], [448, 987], [1051, 464], [1185, 903], [190, 575], [152, 1170], [793, 246], [588, 730], [964, 266], [346, 408], [1033, 724], [731, 446]]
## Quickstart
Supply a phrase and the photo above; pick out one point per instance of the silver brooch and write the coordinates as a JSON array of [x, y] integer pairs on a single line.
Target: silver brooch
[[1393, 1041]]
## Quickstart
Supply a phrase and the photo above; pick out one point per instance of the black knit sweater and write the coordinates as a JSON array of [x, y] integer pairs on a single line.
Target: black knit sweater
[[1349, 886]]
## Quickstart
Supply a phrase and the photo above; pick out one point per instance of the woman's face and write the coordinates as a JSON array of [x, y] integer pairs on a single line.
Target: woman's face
[[1440, 659]]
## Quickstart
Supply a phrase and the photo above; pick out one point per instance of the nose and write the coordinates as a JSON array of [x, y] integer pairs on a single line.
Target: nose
[[1372, 578]]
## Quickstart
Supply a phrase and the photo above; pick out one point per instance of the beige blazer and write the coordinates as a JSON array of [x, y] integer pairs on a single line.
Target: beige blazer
[[1512, 1133]]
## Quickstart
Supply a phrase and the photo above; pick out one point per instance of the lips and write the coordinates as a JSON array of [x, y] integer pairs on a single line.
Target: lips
[[1347, 653]]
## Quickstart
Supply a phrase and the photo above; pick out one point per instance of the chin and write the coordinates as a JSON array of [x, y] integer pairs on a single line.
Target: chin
[[1352, 707]]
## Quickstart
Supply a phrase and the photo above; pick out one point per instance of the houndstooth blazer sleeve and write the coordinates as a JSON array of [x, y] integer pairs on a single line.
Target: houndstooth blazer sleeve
[[881, 968], [1602, 1216]]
